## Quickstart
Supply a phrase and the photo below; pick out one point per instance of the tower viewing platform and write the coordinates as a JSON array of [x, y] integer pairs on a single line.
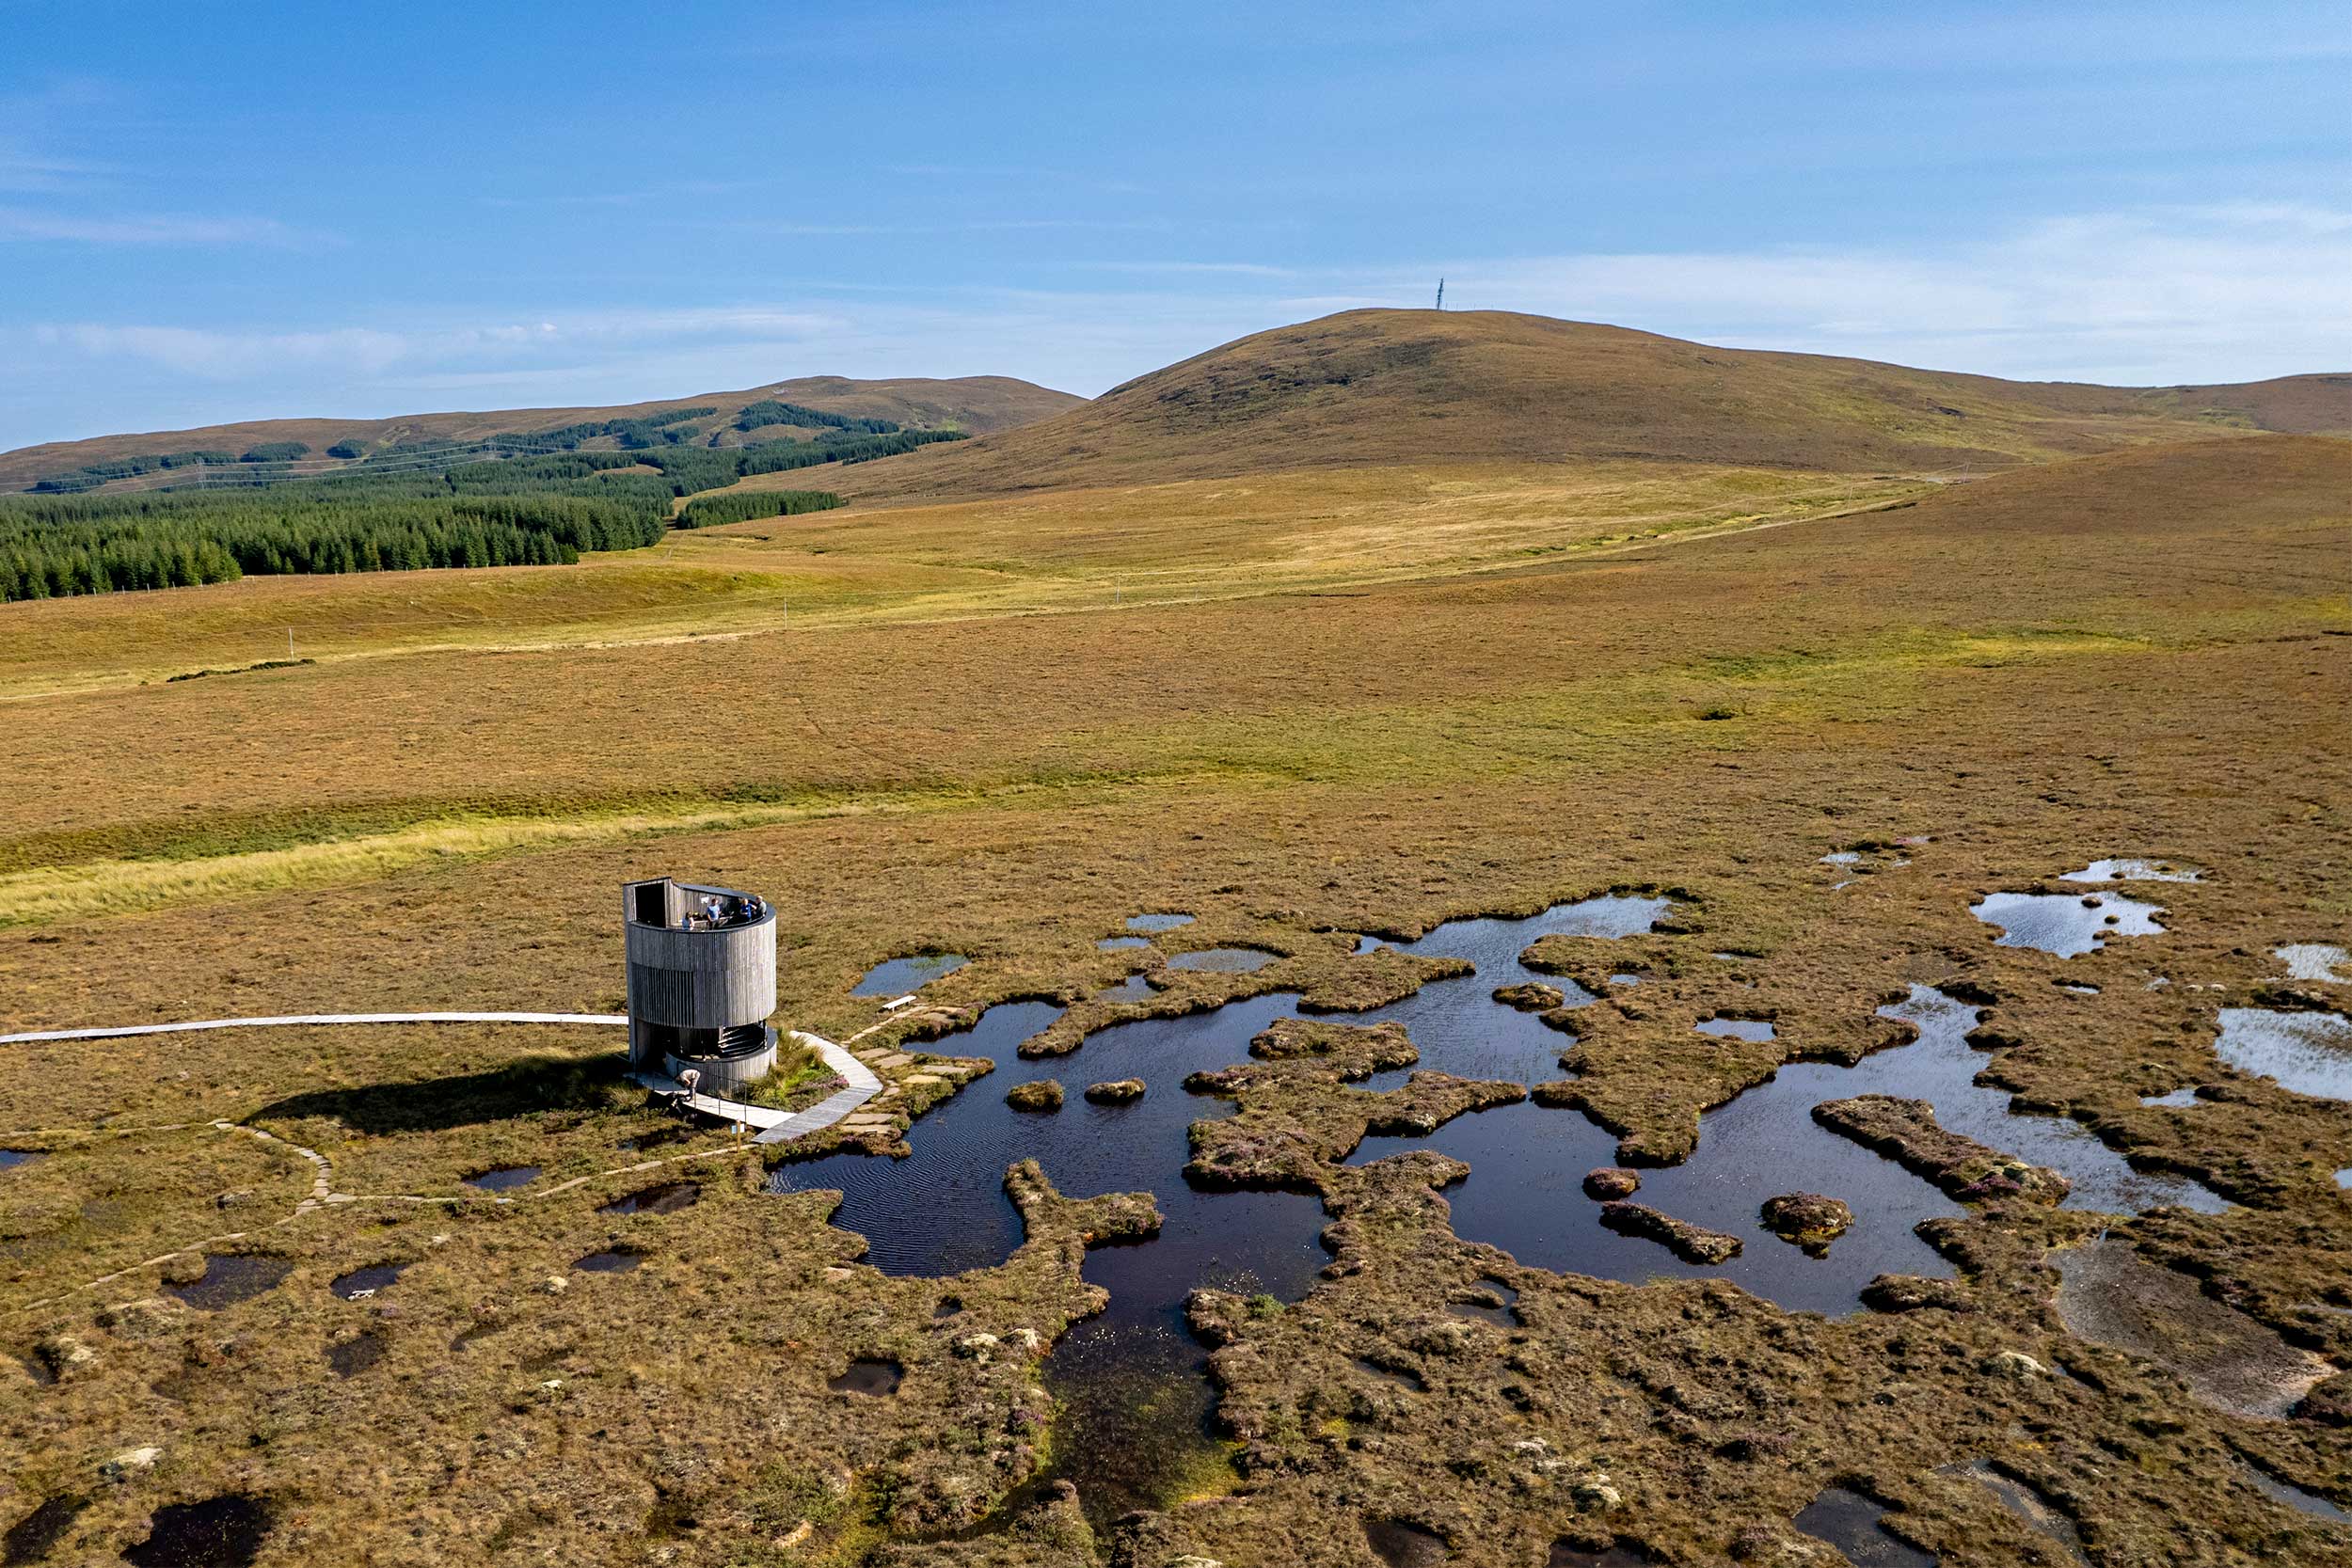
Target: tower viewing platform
[[702, 982]]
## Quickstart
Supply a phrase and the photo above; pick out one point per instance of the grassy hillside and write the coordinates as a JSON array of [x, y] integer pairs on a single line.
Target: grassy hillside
[[1065, 550], [1382, 387], [979, 403], [2295, 404]]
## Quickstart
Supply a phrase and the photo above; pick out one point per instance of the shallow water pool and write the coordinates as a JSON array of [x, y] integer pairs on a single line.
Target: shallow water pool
[[898, 976], [502, 1178], [231, 1277], [2066, 924], [1135, 988], [1528, 1163], [2315, 960], [1850, 1522], [1136, 1404], [1136, 1408], [2134, 871], [2308, 1052], [359, 1283]]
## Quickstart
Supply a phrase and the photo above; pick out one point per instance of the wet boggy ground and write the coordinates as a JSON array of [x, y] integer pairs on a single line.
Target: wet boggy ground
[[1447, 1199], [1331, 1290]]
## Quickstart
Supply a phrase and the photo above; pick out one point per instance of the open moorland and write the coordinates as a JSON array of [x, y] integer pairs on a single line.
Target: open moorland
[[1693, 699]]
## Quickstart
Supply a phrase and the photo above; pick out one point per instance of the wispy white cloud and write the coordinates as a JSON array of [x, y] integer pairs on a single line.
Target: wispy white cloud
[[151, 228], [509, 348], [68, 197], [2149, 297], [24, 170], [967, 226], [215, 355], [668, 193], [1206, 269], [1012, 171], [2157, 295]]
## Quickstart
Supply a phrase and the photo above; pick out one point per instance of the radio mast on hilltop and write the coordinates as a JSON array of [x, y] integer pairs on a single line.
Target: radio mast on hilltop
[[1440, 294]]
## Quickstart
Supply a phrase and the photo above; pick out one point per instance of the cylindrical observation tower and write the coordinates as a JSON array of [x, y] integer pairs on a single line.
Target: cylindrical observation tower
[[702, 981]]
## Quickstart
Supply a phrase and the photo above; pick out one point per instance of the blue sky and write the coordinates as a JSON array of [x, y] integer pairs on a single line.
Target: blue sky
[[212, 212]]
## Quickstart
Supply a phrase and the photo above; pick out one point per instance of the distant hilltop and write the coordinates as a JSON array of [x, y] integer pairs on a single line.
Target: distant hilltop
[[1362, 387], [810, 406], [1389, 386]]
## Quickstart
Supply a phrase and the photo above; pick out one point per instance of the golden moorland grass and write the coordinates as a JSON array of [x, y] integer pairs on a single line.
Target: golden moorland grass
[[686, 588], [1075, 551], [1316, 527], [2141, 653], [2147, 550]]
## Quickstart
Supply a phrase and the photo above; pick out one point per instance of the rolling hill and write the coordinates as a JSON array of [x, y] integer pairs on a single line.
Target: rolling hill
[[979, 403], [1394, 386]]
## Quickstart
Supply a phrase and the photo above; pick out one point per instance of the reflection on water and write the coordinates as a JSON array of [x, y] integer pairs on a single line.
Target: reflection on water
[[502, 1178], [2066, 924], [2308, 1052], [2315, 960], [1135, 1408], [2134, 871], [1528, 1163], [231, 1277], [2294, 1497], [359, 1283], [897, 976], [1849, 1522], [667, 1198], [1135, 1411], [1135, 988]]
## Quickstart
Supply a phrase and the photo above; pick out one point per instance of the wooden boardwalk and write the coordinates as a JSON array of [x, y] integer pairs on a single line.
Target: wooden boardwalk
[[777, 1126]]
